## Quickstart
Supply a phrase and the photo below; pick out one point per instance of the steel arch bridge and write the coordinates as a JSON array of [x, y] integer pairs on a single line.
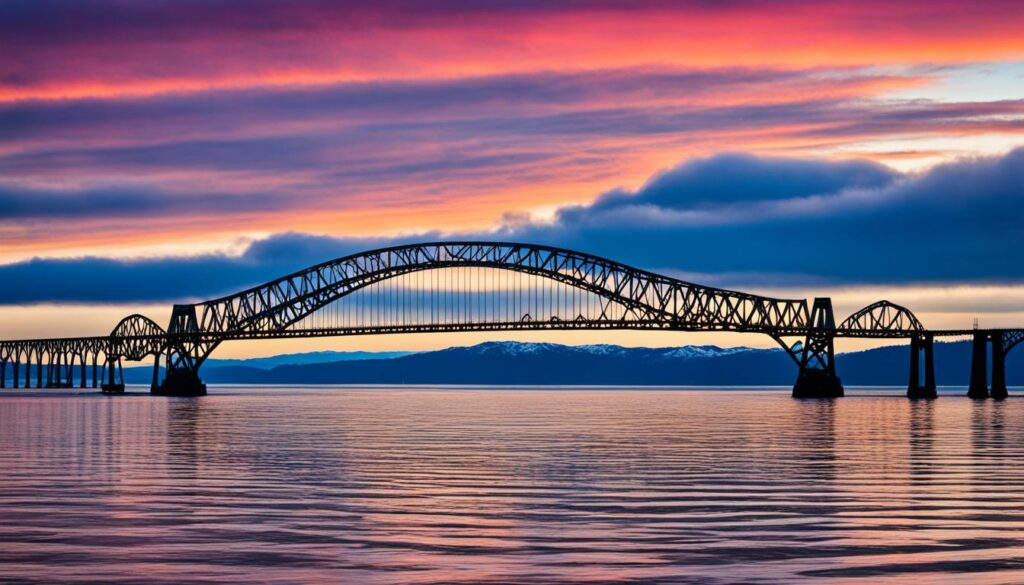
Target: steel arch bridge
[[469, 286]]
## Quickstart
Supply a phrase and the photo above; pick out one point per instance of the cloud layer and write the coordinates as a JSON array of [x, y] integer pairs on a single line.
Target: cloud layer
[[156, 124], [158, 130], [734, 219], [382, 157], [142, 48]]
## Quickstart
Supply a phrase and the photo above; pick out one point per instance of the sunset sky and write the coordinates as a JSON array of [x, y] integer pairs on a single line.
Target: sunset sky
[[160, 152]]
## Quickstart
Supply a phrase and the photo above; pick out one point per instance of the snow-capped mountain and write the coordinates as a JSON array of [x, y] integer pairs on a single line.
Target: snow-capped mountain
[[312, 357], [516, 348]]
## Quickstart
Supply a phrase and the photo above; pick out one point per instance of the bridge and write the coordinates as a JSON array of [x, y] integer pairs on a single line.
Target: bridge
[[487, 286]]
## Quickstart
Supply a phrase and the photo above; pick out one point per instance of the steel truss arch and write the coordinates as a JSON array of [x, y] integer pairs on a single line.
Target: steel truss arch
[[276, 305]]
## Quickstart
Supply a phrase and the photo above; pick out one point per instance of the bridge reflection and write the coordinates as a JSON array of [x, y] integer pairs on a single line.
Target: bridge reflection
[[487, 286]]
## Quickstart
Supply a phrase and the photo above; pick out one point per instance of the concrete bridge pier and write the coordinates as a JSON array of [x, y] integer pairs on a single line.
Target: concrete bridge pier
[[998, 390], [184, 354], [915, 389], [112, 386], [180, 382], [817, 377], [979, 387]]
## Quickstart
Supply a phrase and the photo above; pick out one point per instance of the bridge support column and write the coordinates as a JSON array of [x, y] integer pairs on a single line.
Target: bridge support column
[[82, 378], [998, 390], [186, 351], [929, 365], [49, 370], [916, 390], [15, 372], [979, 367], [817, 377], [68, 361], [156, 372], [914, 382], [57, 371], [112, 386], [3, 373]]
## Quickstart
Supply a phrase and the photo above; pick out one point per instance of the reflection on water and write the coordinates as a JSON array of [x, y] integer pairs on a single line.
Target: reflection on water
[[458, 485]]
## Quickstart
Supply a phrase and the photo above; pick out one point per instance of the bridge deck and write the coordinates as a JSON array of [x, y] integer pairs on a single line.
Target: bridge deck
[[505, 326]]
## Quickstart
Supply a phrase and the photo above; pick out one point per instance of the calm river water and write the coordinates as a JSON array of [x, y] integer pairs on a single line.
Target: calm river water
[[383, 485]]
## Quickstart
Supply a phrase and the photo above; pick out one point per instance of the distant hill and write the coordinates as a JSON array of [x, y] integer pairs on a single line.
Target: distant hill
[[549, 363], [313, 357]]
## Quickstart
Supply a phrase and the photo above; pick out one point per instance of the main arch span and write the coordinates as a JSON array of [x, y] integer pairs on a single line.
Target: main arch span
[[466, 286]]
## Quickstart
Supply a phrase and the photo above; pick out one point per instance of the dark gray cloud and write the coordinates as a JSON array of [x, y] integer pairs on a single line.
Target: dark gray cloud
[[742, 220], [19, 203], [838, 222], [175, 279], [106, 280], [733, 178]]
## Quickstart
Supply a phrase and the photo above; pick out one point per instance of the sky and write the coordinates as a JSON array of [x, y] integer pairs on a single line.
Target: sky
[[160, 152]]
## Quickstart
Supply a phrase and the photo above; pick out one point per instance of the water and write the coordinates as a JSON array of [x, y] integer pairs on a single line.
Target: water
[[509, 485]]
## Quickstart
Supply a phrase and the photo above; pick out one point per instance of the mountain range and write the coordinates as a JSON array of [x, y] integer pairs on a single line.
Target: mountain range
[[515, 363]]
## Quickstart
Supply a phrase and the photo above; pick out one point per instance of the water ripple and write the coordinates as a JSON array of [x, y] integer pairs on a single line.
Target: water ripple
[[509, 485]]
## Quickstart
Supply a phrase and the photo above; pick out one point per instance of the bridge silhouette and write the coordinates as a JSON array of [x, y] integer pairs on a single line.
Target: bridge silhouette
[[488, 286]]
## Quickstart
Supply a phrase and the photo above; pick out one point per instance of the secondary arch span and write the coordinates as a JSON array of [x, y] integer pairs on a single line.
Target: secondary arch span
[[881, 319], [135, 337]]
